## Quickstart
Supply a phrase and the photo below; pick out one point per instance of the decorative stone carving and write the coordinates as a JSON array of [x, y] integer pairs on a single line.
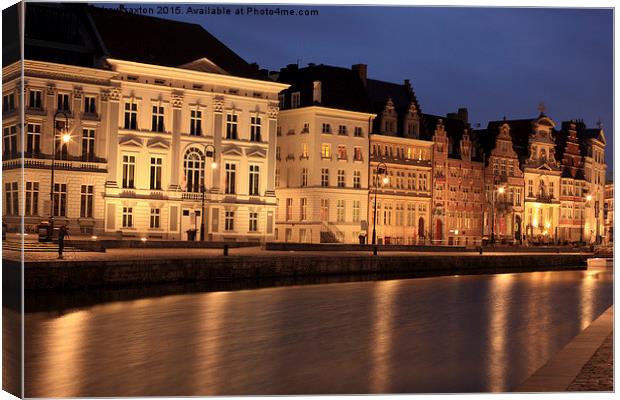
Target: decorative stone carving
[[77, 92], [218, 104], [114, 94], [177, 100], [50, 89], [272, 111]]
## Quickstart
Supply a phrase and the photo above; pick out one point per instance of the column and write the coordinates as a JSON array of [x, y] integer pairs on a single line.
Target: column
[[47, 130], [271, 153], [113, 97], [218, 109], [74, 147], [177, 104]]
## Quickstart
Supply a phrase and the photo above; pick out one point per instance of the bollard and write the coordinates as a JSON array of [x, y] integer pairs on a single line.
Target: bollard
[[225, 250], [480, 250], [374, 251]]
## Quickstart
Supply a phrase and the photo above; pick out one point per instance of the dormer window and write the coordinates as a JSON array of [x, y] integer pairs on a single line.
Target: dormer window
[[281, 100], [295, 100]]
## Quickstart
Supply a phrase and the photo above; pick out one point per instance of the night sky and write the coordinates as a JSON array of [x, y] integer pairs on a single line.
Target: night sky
[[494, 61]]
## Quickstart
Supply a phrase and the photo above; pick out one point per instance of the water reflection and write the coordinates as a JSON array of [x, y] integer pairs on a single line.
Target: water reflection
[[448, 334]]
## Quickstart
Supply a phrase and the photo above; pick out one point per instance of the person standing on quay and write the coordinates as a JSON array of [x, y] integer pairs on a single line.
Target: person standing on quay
[[62, 232]]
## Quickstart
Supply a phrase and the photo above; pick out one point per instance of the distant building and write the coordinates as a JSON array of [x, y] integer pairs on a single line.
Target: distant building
[[608, 212]]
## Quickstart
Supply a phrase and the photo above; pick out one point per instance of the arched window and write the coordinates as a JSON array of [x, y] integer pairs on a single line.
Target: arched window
[[193, 165]]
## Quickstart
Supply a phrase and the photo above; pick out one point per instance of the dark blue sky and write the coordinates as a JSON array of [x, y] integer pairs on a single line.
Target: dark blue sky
[[494, 61]]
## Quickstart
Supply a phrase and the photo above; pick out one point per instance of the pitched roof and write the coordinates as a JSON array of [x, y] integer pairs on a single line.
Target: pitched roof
[[454, 128], [159, 41], [341, 88], [520, 130]]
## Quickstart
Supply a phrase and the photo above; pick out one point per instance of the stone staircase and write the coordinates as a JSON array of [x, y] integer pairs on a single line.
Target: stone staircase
[[37, 247]]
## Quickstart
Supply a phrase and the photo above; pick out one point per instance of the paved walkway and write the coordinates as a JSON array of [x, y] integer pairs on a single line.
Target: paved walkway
[[582, 365], [598, 373]]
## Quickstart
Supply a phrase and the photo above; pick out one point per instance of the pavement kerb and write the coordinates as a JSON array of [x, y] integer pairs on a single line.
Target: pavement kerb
[[562, 369]]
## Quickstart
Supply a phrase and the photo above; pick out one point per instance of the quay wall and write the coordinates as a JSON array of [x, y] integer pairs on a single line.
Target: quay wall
[[80, 274]]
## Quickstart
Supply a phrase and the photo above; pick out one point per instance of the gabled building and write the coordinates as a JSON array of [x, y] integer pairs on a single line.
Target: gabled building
[[458, 171], [322, 155], [400, 150]]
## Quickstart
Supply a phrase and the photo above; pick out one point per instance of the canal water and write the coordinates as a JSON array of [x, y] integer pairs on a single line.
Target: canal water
[[447, 334]]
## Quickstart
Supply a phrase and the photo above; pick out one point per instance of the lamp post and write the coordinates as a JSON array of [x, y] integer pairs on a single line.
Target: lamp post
[[209, 150], [500, 190], [380, 169], [65, 138], [588, 199]]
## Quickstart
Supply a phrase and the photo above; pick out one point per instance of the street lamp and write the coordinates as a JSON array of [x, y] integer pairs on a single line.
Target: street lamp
[[381, 169], [500, 190], [209, 150], [65, 138], [588, 199]]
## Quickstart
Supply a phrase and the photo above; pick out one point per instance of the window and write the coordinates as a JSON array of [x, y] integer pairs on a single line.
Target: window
[[90, 105], [281, 100], [255, 127], [254, 180], [342, 152], [342, 130], [86, 201], [231, 172], [60, 200], [32, 198], [341, 177], [530, 188], [517, 197], [12, 201], [340, 211], [127, 217], [229, 220], [253, 222], [303, 209], [304, 177], [131, 115], [195, 122], [8, 103], [304, 150], [193, 165], [33, 140], [324, 177], [157, 123], [326, 128], [358, 132], [278, 152], [154, 220], [34, 99], [357, 153], [326, 150], [324, 210], [156, 167], [356, 211], [10, 141], [302, 236], [277, 177], [62, 102], [306, 128], [289, 209], [357, 179], [231, 126], [129, 170], [88, 144], [295, 99]]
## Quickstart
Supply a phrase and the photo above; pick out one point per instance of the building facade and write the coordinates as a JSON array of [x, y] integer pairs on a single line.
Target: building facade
[[608, 212]]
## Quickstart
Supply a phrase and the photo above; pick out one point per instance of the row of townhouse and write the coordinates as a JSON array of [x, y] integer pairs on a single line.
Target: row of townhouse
[[357, 158], [161, 144]]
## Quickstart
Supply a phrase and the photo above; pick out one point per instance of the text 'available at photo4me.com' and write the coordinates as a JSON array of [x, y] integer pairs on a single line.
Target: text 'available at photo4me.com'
[[213, 10]]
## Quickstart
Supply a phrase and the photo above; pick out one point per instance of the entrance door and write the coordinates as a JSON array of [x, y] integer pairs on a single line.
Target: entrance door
[[438, 232], [190, 219]]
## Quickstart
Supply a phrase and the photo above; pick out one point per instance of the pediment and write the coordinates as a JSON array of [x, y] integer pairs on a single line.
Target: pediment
[[158, 143], [130, 141], [256, 152], [233, 150]]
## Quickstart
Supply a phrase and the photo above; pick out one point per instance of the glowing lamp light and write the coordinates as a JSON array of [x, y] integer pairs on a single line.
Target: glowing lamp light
[[456, 231], [214, 165], [94, 237], [386, 180], [66, 138], [143, 239], [547, 225], [588, 197], [535, 223], [501, 190]]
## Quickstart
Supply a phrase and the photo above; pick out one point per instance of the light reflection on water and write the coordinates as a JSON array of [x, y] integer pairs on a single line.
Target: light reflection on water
[[446, 334]]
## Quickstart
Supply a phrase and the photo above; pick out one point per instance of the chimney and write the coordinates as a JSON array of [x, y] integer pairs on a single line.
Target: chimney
[[362, 71], [463, 115], [408, 85]]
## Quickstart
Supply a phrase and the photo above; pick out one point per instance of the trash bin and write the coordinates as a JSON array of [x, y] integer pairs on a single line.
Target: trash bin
[[44, 229], [362, 239]]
